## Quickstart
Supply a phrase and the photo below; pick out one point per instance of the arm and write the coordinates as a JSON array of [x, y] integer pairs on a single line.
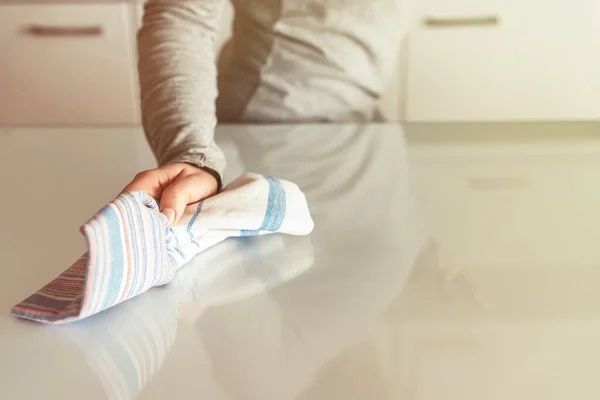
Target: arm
[[177, 72]]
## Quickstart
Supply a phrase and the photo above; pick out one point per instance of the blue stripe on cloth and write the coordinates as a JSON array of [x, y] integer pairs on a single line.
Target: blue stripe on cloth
[[102, 246], [142, 242], [180, 253], [249, 232], [116, 264], [158, 246], [130, 224], [276, 206], [275, 212], [96, 277], [176, 239], [129, 221], [191, 224]]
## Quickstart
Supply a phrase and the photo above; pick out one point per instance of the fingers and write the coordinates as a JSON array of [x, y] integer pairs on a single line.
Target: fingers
[[154, 181], [186, 189], [175, 186]]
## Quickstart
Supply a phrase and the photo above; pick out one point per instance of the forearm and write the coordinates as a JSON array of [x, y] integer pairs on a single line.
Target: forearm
[[177, 72]]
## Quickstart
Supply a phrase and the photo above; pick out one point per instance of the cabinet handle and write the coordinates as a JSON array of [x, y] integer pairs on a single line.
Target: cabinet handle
[[494, 184], [64, 31], [457, 22]]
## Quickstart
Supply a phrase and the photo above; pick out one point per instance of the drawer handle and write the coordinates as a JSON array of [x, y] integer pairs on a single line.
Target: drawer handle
[[493, 184], [64, 31], [457, 22]]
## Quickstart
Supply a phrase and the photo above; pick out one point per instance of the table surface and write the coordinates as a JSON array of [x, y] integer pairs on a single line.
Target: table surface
[[447, 262]]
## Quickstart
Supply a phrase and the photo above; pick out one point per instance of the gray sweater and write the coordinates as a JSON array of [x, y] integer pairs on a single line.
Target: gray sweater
[[288, 61]]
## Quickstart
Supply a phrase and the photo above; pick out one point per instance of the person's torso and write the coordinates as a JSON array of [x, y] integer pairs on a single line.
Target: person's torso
[[308, 60]]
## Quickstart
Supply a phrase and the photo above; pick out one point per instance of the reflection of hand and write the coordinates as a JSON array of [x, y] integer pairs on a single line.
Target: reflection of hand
[[175, 186]]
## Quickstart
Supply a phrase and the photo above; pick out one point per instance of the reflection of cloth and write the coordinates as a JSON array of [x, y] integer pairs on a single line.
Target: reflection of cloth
[[297, 328], [131, 249], [128, 345], [280, 345], [239, 269]]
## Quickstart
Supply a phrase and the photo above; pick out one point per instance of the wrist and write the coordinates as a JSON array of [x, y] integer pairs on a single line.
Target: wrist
[[212, 172]]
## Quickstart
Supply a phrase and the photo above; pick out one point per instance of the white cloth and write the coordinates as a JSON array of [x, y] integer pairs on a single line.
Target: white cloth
[[131, 249]]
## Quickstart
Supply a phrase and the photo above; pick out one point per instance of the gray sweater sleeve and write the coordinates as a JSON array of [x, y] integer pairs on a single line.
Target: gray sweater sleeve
[[177, 72]]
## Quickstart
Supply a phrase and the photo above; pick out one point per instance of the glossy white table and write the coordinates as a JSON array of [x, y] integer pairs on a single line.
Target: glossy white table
[[460, 263]]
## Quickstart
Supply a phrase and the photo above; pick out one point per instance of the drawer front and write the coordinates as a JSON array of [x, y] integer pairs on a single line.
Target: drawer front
[[427, 10], [508, 63], [495, 74], [68, 64], [556, 14]]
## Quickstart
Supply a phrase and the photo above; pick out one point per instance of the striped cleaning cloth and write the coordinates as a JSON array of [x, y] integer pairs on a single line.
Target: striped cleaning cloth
[[131, 249]]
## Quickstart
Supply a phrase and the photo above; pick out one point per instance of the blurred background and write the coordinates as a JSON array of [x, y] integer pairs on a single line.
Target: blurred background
[[70, 62]]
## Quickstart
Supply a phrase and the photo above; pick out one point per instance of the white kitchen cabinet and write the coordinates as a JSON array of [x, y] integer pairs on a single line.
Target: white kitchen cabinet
[[67, 64], [511, 60], [464, 60]]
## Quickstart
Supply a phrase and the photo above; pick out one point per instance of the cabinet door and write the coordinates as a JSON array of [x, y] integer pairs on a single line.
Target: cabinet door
[[67, 64], [507, 63]]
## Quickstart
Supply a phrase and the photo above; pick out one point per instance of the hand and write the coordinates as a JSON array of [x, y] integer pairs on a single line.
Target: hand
[[175, 186]]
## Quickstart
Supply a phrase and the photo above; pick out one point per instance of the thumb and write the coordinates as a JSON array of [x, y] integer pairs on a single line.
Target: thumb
[[184, 190]]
